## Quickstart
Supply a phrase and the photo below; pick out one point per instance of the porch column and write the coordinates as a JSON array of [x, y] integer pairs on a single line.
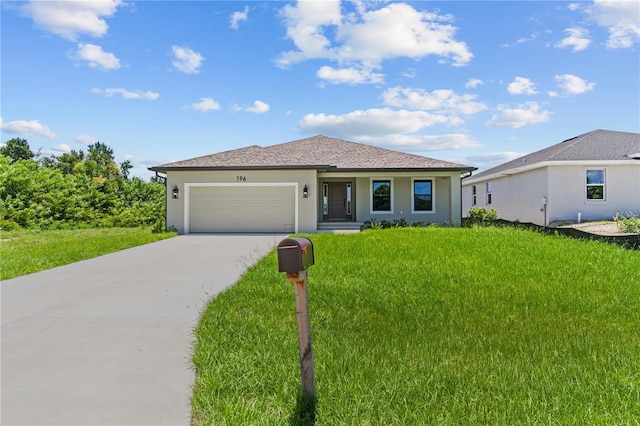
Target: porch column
[[456, 201]]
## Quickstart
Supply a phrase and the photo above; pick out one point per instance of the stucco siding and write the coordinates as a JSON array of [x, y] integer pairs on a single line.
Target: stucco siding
[[519, 197], [446, 205], [308, 211], [568, 195], [306, 208]]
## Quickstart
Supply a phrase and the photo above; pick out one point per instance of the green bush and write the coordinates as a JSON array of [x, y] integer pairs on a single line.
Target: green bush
[[482, 216], [8, 225], [386, 224], [630, 224], [44, 195]]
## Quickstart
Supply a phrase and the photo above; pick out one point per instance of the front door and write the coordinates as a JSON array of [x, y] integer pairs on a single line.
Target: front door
[[339, 201]]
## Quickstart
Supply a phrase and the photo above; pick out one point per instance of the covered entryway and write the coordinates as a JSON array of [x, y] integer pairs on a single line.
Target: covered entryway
[[241, 208]]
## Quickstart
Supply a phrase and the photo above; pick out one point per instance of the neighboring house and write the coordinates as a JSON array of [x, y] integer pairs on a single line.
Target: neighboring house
[[589, 177], [309, 184]]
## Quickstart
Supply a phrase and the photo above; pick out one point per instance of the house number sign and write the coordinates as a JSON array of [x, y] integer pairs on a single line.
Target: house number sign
[[241, 178]]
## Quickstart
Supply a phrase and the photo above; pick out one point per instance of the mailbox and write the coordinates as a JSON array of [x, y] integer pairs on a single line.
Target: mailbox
[[295, 254]]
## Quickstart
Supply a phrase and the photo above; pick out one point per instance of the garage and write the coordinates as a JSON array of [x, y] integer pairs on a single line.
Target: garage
[[241, 208]]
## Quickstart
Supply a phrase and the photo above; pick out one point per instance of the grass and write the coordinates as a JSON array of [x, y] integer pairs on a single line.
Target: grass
[[27, 251], [431, 326]]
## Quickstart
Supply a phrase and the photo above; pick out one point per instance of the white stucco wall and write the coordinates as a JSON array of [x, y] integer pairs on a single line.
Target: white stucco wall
[[518, 197], [568, 196], [515, 198]]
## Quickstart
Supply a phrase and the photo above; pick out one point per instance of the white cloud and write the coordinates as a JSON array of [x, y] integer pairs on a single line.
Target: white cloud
[[85, 139], [305, 23], [578, 38], [238, 17], [522, 115], [444, 102], [532, 37], [62, 148], [24, 128], [489, 160], [522, 86], [419, 143], [69, 19], [376, 121], [258, 107], [573, 6], [573, 85], [473, 83], [126, 94], [409, 73], [620, 18], [206, 104], [398, 30], [362, 40], [186, 60], [349, 75], [96, 57]]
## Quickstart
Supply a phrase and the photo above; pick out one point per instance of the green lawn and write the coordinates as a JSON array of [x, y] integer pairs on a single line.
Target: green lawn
[[431, 326], [27, 251]]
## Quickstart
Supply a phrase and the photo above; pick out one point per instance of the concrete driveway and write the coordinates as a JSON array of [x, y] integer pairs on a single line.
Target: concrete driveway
[[108, 341]]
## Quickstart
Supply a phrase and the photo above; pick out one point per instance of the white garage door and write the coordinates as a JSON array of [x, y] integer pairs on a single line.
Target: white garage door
[[242, 208]]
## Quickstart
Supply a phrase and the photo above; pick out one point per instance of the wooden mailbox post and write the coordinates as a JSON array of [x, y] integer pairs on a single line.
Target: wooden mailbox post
[[295, 255]]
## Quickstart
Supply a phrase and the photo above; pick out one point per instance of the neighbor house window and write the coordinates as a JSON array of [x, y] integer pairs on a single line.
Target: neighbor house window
[[381, 200], [474, 198], [488, 193], [595, 184], [422, 196]]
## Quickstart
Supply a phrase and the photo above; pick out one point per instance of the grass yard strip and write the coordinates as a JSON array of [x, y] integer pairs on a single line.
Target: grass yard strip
[[27, 251], [431, 326]]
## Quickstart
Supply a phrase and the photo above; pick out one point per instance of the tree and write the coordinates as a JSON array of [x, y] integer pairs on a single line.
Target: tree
[[125, 169], [101, 154], [65, 162], [17, 149]]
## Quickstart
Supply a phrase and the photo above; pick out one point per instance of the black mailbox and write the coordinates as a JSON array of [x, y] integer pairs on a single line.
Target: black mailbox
[[295, 254]]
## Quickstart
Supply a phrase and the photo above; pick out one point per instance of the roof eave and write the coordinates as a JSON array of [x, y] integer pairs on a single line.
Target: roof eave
[[165, 169], [541, 164], [326, 168], [402, 169]]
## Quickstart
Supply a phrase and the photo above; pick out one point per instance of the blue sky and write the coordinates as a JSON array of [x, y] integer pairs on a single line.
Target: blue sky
[[477, 83]]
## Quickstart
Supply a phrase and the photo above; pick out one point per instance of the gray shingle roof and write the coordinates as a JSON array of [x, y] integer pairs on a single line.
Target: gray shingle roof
[[317, 152], [597, 145]]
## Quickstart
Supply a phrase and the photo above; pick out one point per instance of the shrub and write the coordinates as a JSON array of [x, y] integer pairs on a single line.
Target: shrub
[[8, 225], [482, 216], [630, 224], [385, 224]]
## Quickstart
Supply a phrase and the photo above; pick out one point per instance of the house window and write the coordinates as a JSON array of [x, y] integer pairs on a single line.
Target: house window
[[381, 196], [474, 198], [348, 199], [488, 193], [595, 184], [422, 196]]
